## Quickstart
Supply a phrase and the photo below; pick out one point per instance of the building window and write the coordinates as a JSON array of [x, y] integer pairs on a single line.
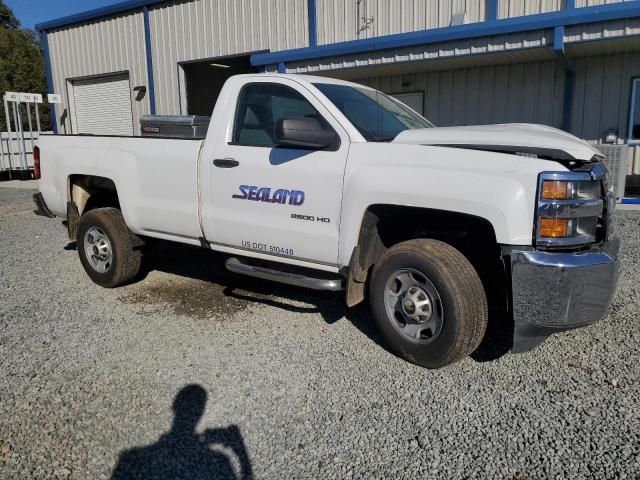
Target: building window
[[634, 114]]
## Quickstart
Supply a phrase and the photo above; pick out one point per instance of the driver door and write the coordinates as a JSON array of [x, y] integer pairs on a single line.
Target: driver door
[[272, 199]]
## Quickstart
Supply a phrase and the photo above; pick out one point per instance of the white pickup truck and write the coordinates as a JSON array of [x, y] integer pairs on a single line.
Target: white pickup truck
[[330, 185]]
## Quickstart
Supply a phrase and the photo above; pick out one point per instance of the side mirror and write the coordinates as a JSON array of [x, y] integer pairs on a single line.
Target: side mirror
[[304, 132]]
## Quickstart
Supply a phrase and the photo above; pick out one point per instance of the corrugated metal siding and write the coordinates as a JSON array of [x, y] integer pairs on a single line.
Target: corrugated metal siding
[[526, 92], [338, 22], [602, 95], [11, 146], [591, 3], [114, 44], [519, 44], [518, 8], [201, 29]]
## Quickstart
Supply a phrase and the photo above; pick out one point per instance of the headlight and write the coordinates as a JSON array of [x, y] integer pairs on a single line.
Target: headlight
[[570, 190], [570, 208]]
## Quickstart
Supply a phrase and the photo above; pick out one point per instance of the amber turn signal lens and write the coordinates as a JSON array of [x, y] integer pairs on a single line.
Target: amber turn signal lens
[[554, 227], [554, 190]]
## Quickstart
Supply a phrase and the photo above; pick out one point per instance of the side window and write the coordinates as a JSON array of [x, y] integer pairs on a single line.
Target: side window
[[261, 105], [634, 121]]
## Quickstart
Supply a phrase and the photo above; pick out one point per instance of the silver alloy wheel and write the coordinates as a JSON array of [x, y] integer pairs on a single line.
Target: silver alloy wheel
[[413, 305], [97, 249]]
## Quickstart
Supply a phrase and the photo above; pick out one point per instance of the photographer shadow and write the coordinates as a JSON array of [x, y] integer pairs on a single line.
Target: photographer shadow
[[183, 453]]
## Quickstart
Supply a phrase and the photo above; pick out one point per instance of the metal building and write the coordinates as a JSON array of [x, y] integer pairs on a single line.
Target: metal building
[[572, 64]]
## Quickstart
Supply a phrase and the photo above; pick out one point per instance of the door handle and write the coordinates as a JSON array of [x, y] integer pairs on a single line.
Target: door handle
[[225, 162]]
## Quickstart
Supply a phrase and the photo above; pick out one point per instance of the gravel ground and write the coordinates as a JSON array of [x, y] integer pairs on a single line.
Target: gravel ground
[[194, 373]]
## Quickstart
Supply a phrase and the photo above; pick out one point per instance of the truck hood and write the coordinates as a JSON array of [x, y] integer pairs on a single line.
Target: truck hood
[[515, 138]]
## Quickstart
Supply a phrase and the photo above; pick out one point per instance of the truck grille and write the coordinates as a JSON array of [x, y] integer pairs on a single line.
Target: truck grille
[[605, 227], [600, 174]]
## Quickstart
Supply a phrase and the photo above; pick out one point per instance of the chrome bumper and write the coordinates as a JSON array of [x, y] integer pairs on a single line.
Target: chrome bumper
[[556, 291]]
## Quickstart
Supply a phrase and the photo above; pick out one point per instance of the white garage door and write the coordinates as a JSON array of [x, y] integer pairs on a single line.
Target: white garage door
[[102, 106]]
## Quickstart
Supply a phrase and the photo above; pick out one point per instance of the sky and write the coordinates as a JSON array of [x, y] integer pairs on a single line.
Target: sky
[[30, 12]]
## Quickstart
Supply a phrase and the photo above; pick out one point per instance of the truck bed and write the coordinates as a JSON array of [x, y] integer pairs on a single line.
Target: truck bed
[[156, 178]]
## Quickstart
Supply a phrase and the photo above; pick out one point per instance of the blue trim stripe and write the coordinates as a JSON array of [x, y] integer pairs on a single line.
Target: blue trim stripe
[[147, 46], [96, 13], [313, 22], [49, 76], [630, 201], [540, 21]]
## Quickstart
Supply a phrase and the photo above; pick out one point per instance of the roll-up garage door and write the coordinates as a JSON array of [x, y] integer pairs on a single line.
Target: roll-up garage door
[[102, 106]]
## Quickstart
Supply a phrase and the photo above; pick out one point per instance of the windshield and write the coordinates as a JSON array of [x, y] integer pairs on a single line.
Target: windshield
[[377, 116]]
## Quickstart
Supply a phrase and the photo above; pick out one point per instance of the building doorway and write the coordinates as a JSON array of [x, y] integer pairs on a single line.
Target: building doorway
[[204, 80]]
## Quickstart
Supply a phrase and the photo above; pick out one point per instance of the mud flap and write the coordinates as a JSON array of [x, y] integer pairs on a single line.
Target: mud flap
[[73, 217]]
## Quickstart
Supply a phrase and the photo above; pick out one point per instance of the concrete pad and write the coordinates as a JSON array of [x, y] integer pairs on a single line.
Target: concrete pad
[[628, 206], [24, 184]]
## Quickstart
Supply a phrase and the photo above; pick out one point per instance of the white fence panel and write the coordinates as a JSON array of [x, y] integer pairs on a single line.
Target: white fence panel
[[11, 151]]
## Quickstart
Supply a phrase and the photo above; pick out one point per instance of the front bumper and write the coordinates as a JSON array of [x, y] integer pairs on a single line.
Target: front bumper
[[557, 291]]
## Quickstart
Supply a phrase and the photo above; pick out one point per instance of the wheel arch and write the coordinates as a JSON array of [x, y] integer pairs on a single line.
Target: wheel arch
[[384, 225], [86, 193]]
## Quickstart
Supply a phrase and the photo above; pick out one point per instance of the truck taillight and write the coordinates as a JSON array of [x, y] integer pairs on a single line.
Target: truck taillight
[[36, 163]]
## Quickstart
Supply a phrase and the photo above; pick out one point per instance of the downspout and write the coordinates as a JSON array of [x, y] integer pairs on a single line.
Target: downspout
[[569, 74], [49, 76], [313, 22], [492, 10], [147, 46]]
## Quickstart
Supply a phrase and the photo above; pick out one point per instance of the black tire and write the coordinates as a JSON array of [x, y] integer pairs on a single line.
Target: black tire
[[462, 301], [124, 263]]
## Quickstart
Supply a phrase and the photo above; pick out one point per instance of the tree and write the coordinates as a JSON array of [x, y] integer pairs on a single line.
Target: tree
[[21, 63], [7, 18]]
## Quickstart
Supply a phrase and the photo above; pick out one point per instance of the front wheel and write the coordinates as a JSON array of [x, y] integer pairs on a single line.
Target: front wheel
[[105, 249], [428, 302]]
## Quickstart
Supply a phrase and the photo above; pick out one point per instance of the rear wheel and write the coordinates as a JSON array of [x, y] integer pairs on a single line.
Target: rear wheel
[[428, 302], [105, 249]]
